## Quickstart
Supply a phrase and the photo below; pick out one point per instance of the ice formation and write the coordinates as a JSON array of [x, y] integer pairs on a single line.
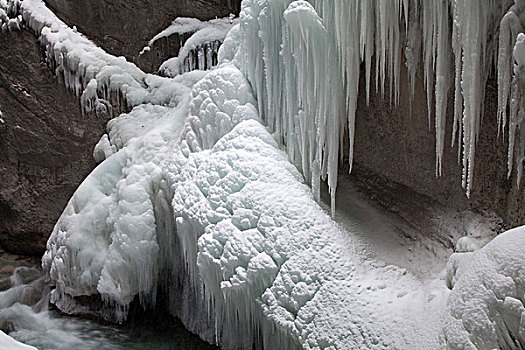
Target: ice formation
[[511, 63], [200, 51], [10, 20], [194, 196]]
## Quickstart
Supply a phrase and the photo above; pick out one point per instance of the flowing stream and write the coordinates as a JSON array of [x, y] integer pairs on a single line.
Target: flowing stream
[[25, 314]]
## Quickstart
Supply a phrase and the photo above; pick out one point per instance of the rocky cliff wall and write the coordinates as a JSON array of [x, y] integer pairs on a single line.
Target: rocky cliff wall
[[46, 145], [397, 144], [124, 27]]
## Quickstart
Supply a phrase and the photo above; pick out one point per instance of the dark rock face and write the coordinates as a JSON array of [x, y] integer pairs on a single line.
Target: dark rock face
[[397, 144], [124, 27], [45, 145]]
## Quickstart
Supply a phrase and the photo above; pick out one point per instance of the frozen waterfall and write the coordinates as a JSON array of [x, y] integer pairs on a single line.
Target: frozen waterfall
[[207, 187]]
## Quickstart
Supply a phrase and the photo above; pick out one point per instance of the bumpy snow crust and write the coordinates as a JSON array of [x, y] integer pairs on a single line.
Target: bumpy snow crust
[[486, 305]]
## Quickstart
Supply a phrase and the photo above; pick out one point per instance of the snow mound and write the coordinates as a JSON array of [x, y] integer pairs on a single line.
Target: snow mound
[[231, 230], [275, 269], [486, 305], [106, 242], [221, 100]]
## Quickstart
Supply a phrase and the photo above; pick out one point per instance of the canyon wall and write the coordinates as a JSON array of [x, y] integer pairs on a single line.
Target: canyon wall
[[124, 27], [46, 145]]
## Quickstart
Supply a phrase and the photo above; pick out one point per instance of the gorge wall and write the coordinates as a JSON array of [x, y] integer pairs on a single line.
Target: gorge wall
[[123, 27], [46, 145]]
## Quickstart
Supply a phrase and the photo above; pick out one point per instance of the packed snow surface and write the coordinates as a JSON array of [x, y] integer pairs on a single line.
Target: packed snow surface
[[209, 184]]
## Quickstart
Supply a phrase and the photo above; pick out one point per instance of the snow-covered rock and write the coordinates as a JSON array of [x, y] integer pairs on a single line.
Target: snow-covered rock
[[101, 80], [486, 305], [200, 50]]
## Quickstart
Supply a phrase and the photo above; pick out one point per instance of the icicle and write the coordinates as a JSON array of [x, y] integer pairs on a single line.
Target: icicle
[[474, 25], [442, 81], [517, 109], [509, 29]]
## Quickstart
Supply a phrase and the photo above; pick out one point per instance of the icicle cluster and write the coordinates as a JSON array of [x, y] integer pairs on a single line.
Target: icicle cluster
[[201, 49], [474, 24], [202, 57], [303, 61], [309, 56]]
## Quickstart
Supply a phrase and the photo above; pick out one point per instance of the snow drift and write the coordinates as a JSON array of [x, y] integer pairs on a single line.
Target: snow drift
[[486, 305]]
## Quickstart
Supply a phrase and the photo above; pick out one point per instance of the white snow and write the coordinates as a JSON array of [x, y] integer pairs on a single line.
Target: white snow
[[183, 25], [7, 342], [486, 305], [9, 18]]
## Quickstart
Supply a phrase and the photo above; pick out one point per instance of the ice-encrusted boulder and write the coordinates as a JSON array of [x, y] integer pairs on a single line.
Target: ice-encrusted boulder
[[486, 306]]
